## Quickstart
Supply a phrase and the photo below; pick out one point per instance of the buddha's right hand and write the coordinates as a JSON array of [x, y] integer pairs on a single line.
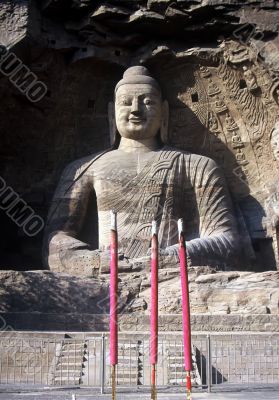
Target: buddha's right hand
[[124, 263]]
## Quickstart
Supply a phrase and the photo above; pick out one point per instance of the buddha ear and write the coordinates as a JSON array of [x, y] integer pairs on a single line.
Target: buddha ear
[[112, 123], [165, 123]]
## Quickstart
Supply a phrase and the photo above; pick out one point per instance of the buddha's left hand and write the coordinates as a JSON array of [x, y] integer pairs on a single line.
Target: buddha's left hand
[[167, 257]]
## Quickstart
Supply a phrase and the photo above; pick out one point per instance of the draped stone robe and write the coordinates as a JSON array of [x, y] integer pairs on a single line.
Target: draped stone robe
[[170, 184]]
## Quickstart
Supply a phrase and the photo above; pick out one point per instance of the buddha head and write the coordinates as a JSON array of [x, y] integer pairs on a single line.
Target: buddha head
[[274, 140], [138, 111]]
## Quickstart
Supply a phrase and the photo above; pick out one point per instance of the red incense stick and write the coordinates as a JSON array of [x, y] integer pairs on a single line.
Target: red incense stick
[[113, 301], [185, 308], [154, 309]]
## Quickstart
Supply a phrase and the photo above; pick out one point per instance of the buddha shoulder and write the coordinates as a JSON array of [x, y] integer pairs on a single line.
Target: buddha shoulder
[[82, 166], [192, 158]]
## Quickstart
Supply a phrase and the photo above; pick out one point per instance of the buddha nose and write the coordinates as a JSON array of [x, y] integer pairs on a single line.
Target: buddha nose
[[135, 105]]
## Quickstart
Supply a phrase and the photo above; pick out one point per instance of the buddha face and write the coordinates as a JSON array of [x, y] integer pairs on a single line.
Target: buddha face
[[138, 111], [275, 142]]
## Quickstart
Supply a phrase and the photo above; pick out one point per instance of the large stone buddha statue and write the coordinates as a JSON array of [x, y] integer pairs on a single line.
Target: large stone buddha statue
[[142, 179]]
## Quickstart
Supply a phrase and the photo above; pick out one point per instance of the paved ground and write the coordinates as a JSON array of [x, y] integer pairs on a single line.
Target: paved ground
[[81, 394]]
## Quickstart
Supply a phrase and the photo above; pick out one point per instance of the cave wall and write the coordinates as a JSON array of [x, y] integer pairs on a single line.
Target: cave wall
[[80, 48]]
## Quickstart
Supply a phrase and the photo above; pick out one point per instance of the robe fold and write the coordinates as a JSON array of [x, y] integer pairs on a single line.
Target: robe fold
[[172, 184]]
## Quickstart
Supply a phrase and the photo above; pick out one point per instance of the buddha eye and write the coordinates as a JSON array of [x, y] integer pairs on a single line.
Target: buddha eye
[[124, 101], [147, 101]]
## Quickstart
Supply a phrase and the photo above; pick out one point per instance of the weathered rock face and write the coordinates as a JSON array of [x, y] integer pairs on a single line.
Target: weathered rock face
[[222, 293], [218, 108], [47, 292], [211, 293], [128, 25]]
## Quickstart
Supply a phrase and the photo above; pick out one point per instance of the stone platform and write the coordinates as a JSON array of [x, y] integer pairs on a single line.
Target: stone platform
[[220, 301], [36, 321]]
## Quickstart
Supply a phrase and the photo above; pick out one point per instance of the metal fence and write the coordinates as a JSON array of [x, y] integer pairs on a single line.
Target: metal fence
[[218, 359]]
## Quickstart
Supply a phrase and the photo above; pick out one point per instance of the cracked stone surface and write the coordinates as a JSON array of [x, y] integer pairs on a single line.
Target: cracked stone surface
[[211, 292]]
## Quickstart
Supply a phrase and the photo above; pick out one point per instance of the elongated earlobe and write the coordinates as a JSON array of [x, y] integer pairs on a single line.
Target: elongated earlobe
[[112, 123], [164, 130]]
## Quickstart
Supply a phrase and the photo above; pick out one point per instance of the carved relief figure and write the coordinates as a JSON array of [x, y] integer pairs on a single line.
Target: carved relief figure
[[235, 53], [213, 124], [220, 105], [236, 141], [205, 73], [230, 123], [240, 157], [142, 180], [250, 78], [267, 99], [213, 88]]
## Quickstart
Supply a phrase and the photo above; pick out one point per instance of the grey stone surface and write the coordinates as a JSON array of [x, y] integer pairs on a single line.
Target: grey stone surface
[[39, 321], [88, 394], [219, 301]]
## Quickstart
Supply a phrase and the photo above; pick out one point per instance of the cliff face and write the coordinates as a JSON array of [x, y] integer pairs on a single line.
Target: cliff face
[[79, 48], [120, 31]]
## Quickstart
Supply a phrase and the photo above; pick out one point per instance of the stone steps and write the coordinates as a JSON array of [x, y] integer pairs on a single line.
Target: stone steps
[[70, 363], [71, 359], [133, 364], [129, 363], [176, 371], [73, 351], [66, 379]]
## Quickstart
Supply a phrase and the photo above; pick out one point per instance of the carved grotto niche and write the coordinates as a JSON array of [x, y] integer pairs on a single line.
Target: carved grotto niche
[[224, 106]]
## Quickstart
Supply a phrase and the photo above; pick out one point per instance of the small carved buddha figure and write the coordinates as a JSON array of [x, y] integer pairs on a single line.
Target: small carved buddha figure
[[213, 88], [250, 78], [238, 53], [213, 123], [220, 105], [267, 98], [236, 140], [142, 179], [240, 157], [226, 55], [205, 73], [230, 123]]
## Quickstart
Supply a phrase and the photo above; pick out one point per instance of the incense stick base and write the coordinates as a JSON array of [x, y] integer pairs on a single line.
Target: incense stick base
[[153, 383], [113, 382]]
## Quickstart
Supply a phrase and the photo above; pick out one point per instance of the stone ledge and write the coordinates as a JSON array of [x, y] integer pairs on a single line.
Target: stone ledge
[[167, 323], [216, 293]]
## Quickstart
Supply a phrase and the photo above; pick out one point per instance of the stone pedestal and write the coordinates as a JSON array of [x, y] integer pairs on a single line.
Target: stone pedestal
[[221, 301]]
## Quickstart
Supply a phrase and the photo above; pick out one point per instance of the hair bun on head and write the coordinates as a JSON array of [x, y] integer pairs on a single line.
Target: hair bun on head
[[137, 70], [136, 75]]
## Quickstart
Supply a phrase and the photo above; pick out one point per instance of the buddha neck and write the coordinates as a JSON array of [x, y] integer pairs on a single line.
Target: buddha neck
[[139, 146]]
